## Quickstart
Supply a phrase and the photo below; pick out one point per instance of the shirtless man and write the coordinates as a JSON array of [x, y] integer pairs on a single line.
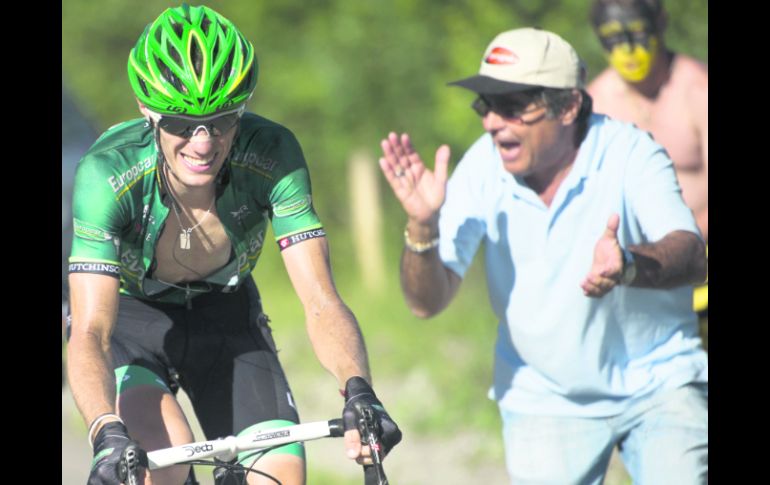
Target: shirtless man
[[660, 91]]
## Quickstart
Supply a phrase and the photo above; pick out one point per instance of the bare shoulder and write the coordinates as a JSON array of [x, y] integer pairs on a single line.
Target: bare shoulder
[[692, 66], [605, 91], [691, 78], [690, 72]]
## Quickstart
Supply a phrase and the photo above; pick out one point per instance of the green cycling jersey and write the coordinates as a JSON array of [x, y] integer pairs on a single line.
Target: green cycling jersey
[[120, 206]]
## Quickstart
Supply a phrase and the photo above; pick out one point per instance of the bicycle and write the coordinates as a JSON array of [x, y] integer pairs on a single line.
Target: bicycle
[[223, 451]]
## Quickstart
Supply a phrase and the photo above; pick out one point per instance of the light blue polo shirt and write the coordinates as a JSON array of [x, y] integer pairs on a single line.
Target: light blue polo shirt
[[559, 352]]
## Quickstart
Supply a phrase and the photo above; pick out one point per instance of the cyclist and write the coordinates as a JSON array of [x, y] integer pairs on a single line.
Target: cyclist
[[169, 217]]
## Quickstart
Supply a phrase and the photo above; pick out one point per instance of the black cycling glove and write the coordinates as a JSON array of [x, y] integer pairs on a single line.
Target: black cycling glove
[[109, 444], [359, 395]]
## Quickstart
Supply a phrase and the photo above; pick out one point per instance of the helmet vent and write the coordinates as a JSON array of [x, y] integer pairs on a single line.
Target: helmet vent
[[229, 64], [143, 86], [245, 83], [197, 59], [215, 52], [178, 29], [244, 51], [174, 53], [205, 25], [220, 82], [169, 75]]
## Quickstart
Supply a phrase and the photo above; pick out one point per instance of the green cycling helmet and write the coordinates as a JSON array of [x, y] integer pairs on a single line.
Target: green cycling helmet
[[192, 61]]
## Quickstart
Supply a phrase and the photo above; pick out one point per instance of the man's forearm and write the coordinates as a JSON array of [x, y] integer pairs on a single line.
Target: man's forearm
[[337, 341], [427, 284], [90, 377], [677, 259]]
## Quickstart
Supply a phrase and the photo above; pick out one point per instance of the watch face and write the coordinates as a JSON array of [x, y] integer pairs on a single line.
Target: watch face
[[629, 268]]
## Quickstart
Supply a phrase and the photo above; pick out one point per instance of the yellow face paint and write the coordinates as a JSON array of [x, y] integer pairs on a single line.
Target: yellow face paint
[[633, 64], [608, 29]]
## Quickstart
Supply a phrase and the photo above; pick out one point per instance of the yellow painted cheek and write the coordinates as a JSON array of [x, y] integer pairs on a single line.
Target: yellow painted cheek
[[633, 65]]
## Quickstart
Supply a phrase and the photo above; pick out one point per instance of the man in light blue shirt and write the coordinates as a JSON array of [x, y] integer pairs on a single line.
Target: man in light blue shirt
[[591, 255]]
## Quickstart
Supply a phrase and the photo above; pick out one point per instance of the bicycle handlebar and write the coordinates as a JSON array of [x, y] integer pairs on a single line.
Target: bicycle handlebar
[[226, 449]]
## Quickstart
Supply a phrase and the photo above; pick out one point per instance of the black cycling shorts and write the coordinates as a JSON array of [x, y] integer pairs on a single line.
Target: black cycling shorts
[[220, 351]]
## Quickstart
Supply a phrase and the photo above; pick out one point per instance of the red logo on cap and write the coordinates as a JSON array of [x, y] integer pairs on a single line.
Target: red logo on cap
[[501, 55]]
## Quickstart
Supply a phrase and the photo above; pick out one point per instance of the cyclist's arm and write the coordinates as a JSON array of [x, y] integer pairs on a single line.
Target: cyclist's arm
[[94, 305], [427, 284], [331, 326]]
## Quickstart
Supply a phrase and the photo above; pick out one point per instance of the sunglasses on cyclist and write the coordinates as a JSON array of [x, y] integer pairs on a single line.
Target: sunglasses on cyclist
[[186, 126], [505, 106]]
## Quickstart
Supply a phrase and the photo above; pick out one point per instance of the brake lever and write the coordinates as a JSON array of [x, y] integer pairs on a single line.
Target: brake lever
[[130, 460], [368, 429]]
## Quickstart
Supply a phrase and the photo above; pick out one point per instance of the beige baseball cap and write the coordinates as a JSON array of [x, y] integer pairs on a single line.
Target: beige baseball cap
[[526, 58]]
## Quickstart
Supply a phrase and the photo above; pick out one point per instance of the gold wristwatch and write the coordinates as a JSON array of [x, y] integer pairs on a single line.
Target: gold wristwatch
[[629, 268]]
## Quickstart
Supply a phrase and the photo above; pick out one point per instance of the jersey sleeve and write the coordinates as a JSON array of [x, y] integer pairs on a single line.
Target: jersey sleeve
[[292, 214], [97, 220]]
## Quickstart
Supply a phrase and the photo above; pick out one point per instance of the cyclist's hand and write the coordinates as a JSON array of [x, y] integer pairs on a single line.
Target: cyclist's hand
[[109, 444], [358, 396]]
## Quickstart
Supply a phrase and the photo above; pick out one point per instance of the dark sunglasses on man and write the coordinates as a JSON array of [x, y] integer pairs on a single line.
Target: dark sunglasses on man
[[508, 106], [186, 126]]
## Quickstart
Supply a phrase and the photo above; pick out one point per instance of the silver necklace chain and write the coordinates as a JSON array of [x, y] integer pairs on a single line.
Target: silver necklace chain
[[184, 236]]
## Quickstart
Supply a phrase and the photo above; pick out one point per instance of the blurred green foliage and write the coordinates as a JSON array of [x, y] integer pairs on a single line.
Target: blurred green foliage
[[341, 74]]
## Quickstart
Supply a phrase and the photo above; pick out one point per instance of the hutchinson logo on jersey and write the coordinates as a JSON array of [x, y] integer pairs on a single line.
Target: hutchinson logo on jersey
[[96, 267], [293, 206], [287, 241], [84, 230]]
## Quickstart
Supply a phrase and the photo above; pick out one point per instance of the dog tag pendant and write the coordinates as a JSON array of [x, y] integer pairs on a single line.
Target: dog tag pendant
[[184, 240]]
